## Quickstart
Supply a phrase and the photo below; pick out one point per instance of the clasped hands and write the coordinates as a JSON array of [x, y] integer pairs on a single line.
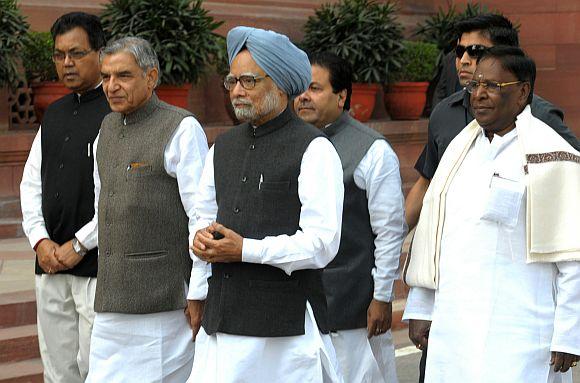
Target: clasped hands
[[224, 250], [53, 258]]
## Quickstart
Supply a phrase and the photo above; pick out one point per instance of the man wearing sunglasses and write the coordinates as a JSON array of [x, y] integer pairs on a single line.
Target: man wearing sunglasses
[[452, 114], [495, 260], [58, 201]]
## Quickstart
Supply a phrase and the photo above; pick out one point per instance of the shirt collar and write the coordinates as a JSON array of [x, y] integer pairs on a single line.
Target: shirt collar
[[272, 125], [90, 94], [143, 112], [336, 126]]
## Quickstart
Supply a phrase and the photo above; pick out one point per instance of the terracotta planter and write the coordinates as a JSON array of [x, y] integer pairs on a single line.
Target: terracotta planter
[[44, 94], [174, 95], [362, 102], [406, 100]]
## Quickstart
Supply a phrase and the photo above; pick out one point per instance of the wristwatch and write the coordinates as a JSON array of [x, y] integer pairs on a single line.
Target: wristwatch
[[78, 247]]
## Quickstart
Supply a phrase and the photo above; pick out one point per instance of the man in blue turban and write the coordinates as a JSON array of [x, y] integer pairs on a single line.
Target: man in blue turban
[[269, 214]]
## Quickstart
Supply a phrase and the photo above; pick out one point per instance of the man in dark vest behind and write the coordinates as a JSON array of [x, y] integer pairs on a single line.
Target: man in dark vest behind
[[274, 186], [149, 157], [58, 201], [359, 281]]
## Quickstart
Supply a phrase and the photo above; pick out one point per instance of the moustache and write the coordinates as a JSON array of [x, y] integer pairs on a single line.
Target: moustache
[[240, 101]]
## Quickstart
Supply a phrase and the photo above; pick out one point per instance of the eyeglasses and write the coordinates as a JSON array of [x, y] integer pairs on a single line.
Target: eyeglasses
[[490, 86], [73, 55], [248, 81], [474, 51]]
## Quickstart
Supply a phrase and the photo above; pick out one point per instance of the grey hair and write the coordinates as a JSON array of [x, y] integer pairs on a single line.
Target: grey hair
[[140, 49]]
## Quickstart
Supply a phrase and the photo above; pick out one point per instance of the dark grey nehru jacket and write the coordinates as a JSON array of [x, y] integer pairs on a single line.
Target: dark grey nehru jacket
[[144, 261], [348, 282], [248, 298]]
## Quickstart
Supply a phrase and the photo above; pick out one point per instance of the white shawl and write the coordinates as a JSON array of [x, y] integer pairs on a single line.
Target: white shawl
[[552, 168]]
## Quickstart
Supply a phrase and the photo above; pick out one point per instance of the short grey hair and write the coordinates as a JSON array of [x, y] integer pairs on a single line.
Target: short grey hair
[[140, 49]]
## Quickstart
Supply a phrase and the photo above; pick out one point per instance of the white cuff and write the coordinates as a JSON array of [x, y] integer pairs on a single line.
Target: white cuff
[[251, 251], [198, 283], [87, 237], [37, 234]]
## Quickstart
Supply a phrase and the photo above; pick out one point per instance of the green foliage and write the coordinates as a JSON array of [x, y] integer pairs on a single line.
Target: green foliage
[[37, 57], [180, 31], [363, 32], [440, 27], [418, 61], [13, 28]]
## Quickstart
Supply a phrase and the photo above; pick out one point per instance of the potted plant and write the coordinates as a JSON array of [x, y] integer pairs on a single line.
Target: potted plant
[[12, 39], [40, 71], [367, 34], [406, 94], [180, 32]]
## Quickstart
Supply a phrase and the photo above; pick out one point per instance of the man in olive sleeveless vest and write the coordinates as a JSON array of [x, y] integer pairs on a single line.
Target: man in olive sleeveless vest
[[149, 157], [264, 304], [359, 281], [58, 202]]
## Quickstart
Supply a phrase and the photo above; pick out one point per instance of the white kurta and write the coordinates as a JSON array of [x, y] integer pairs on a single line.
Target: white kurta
[[373, 360], [149, 347], [495, 318], [305, 358]]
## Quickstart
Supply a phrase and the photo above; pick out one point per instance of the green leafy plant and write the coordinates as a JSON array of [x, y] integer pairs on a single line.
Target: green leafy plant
[[180, 31], [364, 32], [440, 27], [37, 57], [12, 39], [419, 60]]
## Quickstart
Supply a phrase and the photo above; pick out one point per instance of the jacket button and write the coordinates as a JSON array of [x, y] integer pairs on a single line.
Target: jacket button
[[111, 194], [107, 252], [61, 166], [66, 139], [76, 112], [252, 147], [227, 276], [236, 210], [56, 195], [244, 179]]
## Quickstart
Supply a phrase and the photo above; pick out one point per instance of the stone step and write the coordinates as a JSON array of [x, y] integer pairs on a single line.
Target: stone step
[[18, 343], [10, 207], [11, 228], [17, 309], [26, 371]]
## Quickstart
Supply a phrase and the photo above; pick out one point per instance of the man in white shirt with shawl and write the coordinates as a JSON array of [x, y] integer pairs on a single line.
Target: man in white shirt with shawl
[[359, 282], [494, 261], [269, 213]]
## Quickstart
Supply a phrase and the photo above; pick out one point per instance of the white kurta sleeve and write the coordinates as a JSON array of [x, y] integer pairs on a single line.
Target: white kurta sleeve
[[184, 158], [205, 207], [88, 234], [419, 304], [321, 193], [31, 195], [378, 174], [566, 337]]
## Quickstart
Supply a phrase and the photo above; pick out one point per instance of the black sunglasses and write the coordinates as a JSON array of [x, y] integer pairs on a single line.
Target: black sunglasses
[[474, 51]]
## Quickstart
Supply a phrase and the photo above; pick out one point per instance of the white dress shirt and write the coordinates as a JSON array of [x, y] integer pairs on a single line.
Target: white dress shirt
[[321, 194], [183, 159], [378, 174]]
